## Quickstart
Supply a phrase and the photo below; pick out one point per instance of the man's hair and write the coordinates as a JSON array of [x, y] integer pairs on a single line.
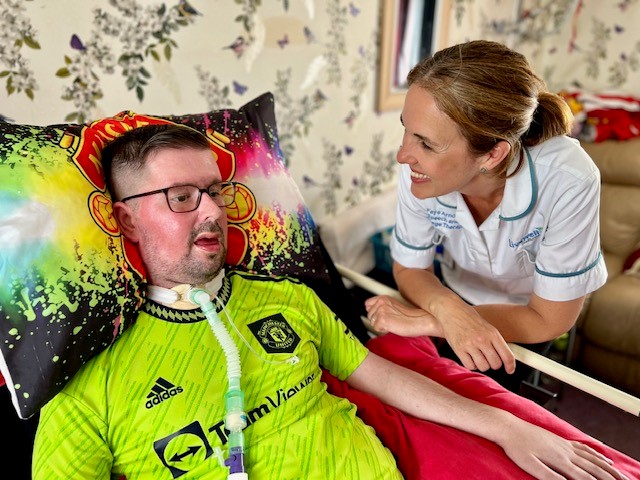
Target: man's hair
[[492, 94], [129, 152]]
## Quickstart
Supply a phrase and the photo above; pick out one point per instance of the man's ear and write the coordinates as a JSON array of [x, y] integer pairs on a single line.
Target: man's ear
[[496, 155], [125, 218]]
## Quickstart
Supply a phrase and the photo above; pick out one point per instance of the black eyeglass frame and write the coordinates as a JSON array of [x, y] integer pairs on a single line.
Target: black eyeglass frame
[[222, 185]]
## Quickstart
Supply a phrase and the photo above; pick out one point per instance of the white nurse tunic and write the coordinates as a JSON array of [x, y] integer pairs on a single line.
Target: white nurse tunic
[[543, 237]]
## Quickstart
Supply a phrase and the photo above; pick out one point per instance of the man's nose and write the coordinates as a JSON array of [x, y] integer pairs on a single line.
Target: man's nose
[[208, 205]]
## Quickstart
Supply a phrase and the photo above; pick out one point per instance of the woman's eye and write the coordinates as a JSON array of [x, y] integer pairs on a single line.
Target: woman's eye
[[425, 146]]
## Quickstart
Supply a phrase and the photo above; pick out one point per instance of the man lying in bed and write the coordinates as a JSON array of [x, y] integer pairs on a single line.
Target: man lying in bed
[[153, 405]]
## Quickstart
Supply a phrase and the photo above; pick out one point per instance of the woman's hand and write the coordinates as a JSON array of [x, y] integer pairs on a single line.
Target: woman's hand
[[548, 456], [387, 314], [478, 344]]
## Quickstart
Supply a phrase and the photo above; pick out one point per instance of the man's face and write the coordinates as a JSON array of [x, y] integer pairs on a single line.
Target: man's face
[[178, 248]]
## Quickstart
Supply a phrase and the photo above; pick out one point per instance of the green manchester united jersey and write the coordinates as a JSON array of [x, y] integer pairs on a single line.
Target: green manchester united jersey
[[152, 405]]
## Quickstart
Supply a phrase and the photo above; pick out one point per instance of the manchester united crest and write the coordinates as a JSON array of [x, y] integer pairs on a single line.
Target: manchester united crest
[[275, 334]]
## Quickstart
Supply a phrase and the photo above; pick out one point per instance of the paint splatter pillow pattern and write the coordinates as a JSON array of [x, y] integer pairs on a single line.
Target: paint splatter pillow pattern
[[70, 284]]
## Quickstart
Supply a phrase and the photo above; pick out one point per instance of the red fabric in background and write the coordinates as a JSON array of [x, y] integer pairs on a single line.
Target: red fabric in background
[[428, 450], [631, 260]]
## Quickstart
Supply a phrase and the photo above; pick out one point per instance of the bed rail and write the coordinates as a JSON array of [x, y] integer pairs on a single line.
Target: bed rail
[[594, 387]]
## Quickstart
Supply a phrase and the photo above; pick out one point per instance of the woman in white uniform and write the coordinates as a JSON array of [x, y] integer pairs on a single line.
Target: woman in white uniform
[[493, 190]]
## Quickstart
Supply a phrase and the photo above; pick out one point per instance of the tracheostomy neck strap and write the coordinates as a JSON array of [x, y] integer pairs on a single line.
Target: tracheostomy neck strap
[[178, 296]]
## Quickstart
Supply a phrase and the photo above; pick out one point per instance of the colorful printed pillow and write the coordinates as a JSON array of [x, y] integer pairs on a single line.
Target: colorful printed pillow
[[69, 282]]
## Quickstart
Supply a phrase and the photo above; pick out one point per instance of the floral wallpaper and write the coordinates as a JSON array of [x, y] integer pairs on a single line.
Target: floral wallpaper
[[586, 44], [80, 60]]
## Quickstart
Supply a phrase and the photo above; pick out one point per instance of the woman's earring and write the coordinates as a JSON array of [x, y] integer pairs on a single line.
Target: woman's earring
[[483, 170]]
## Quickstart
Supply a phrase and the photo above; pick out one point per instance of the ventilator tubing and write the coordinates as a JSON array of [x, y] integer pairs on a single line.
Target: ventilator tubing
[[235, 417]]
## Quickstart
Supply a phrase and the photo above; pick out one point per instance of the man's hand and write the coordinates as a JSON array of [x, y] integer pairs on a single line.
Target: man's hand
[[387, 314], [537, 451], [547, 456]]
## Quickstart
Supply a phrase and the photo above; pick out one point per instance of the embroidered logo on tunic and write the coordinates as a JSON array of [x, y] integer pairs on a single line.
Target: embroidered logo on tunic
[[443, 220], [275, 334], [535, 233]]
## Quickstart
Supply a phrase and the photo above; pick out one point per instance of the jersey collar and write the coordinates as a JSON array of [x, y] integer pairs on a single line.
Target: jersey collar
[[176, 315]]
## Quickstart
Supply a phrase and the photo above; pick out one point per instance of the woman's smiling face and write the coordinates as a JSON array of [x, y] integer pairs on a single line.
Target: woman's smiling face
[[434, 149]]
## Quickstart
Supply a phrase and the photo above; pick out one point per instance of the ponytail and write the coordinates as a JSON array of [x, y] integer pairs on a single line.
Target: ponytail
[[551, 118]]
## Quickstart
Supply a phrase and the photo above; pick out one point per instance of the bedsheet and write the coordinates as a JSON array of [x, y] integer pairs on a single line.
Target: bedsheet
[[425, 449]]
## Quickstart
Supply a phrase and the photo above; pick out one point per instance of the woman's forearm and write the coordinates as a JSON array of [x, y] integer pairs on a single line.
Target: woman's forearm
[[423, 289], [539, 321]]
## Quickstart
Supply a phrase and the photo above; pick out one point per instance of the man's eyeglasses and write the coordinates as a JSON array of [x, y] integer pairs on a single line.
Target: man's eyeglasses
[[186, 198]]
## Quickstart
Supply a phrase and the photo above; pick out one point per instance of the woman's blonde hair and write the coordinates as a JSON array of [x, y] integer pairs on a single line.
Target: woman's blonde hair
[[492, 94]]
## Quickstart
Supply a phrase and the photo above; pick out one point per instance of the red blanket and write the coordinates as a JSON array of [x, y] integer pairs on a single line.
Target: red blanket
[[428, 450]]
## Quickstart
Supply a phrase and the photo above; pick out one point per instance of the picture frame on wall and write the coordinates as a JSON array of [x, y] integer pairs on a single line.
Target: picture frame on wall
[[409, 30]]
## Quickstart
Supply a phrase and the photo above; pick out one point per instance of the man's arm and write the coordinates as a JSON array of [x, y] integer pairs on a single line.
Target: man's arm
[[70, 442], [534, 449]]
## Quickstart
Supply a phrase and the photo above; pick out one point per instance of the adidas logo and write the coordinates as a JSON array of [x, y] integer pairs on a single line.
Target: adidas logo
[[161, 391]]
